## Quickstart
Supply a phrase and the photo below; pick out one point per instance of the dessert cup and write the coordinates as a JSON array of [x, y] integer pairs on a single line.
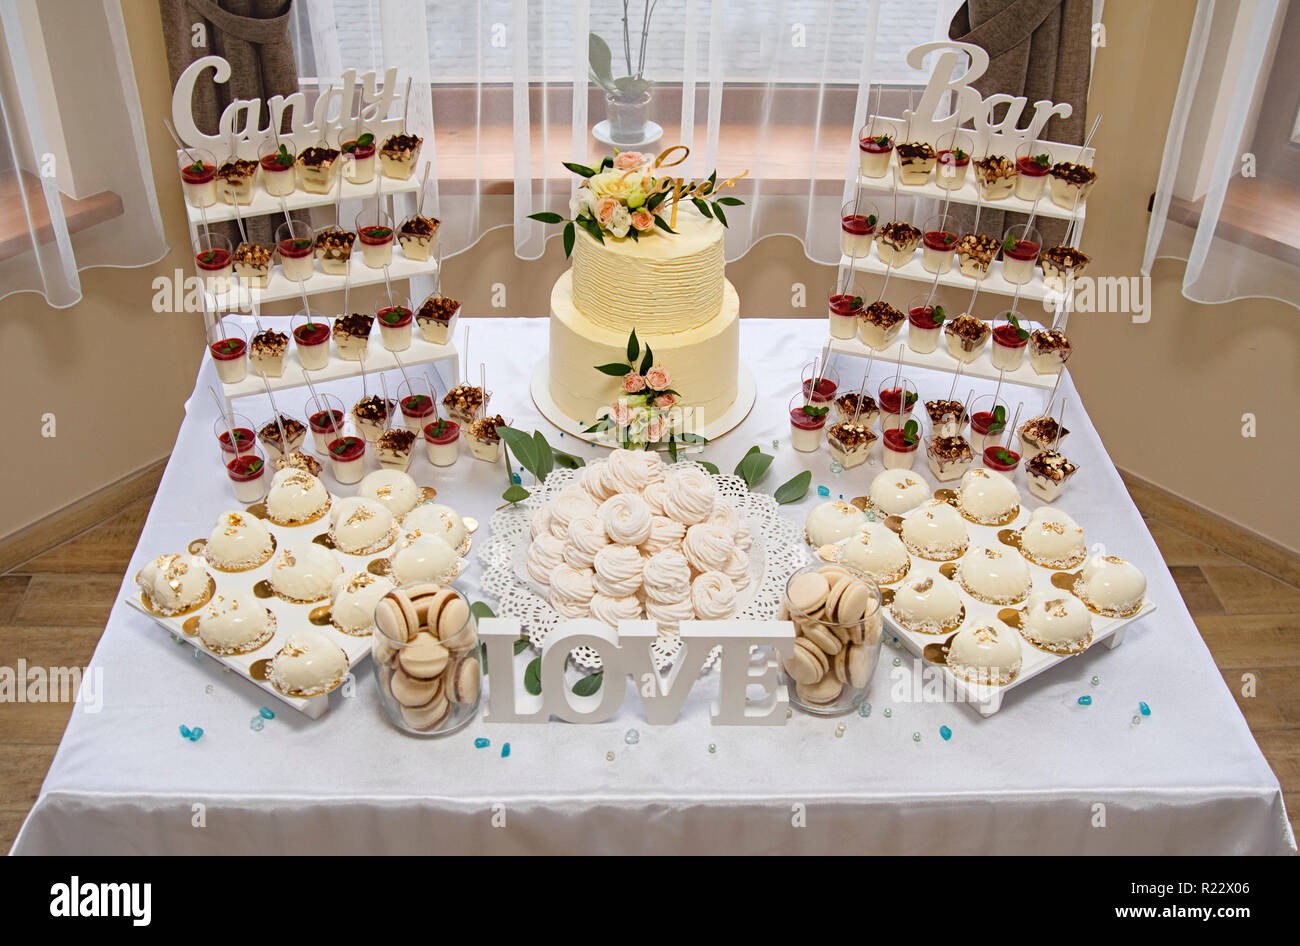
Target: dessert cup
[[348, 459], [464, 403], [880, 325], [939, 243], [949, 457], [399, 154], [838, 625], [334, 250], [915, 162], [988, 423], [924, 322], [245, 436], [1032, 166], [807, 421], [442, 442], [325, 418], [1009, 343], [897, 402], [896, 241], [1048, 351], [975, 251], [370, 414], [352, 335], [484, 440], [966, 337], [277, 169], [851, 444], [212, 256], [417, 403], [436, 318], [875, 145], [1060, 264], [295, 239], [316, 167], [1020, 246], [362, 152], [395, 448], [417, 236], [198, 170], [247, 474], [375, 234], [1039, 434], [1002, 459], [235, 180], [252, 264], [230, 353], [269, 436], [395, 325], [995, 175], [846, 409], [266, 351], [952, 162], [858, 219], [845, 307], [819, 386], [1070, 184], [311, 336], [948, 418], [1047, 472]]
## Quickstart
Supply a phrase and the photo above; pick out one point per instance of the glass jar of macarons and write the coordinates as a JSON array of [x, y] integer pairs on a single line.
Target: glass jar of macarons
[[836, 611], [425, 652]]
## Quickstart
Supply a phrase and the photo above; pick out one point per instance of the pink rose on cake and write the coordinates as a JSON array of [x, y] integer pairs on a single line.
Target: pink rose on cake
[[605, 209], [665, 401], [627, 160], [622, 413], [658, 379], [643, 221], [633, 382], [655, 428]]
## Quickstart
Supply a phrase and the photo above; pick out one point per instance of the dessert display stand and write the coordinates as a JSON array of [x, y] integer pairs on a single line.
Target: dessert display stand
[[365, 95]]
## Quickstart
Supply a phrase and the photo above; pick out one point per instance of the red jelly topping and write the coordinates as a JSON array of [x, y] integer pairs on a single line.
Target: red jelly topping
[[806, 421], [890, 399], [450, 431], [993, 463], [228, 349], [857, 224], [981, 421], [295, 249], [271, 162], [360, 152], [922, 316], [949, 158], [195, 175], [313, 333], [245, 468], [347, 448], [212, 260], [895, 441], [375, 235], [322, 421], [243, 437], [825, 389], [394, 316], [417, 405], [1030, 168], [844, 304], [1007, 336], [1025, 250], [941, 240], [875, 145]]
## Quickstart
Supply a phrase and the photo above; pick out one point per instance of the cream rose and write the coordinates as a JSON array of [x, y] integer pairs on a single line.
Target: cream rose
[[616, 184]]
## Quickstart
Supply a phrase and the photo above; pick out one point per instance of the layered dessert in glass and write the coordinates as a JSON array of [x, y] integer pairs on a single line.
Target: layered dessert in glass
[[436, 318], [325, 418], [1032, 166], [252, 264], [352, 335], [1060, 265], [417, 236], [896, 242], [235, 181], [923, 324], [484, 440], [245, 440], [442, 442], [229, 353], [1039, 434], [333, 248], [375, 233], [948, 418], [898, 445], [988, 422], [850, 443], [975, 251], [277, 169], [807, 421], [213, 259], [247, 473], [463, 403], [316, 167], [1009, 341], [858, 219], [939, 243], [915, 162], [880, 324], [394, 448], [348, 459], [860, 409], [896, 400], [399, 154], [266, 352], [949, 457], [198, 169], [418, 408], [269, 435], [1047, 473], [819, 386], [952, 161], [294, 240], [1049, 349], [995, 176], [875, 145], [1071, 183], [1020, 246], [845, 307], [371, 414], [966, 337], [311, 336], [395, 326], [362, 152]]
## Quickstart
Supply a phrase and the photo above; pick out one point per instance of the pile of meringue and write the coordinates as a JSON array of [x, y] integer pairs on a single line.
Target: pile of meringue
[[632, 537]]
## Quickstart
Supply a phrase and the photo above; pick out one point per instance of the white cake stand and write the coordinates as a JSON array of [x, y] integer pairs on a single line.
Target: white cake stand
[[739, 410]]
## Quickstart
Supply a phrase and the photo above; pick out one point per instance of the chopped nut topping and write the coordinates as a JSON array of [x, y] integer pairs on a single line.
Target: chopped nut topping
[[1050, 340], [373, 409], [317, 157], [1051, 465], [915, 151], [420, 227], [437, 309], [253, 254], [941, 408], [850, 436], [356, 325], [949, 448], [968, 328], [398, 440], [237, 170], [995, 167], [486, 428], [899, 234], [881, 313], [1073, 173], [269, 343]]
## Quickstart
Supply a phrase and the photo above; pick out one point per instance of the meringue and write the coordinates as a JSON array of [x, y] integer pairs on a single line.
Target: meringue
[[360, 526], [666, 577], [540, 523], [586, 538], [654, 495], [625, 472], [664, 534], [626, 518], [565, 507], [545, 552], [592, 481], [737, 569], [612, 610], [618, 570], [237, 542], [393, 488], [714, 596], [690, 495], [708, 547], [571, 590], [670, 614]]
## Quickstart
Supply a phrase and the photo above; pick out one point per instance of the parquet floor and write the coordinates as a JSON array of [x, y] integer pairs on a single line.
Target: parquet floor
[[54, 607]]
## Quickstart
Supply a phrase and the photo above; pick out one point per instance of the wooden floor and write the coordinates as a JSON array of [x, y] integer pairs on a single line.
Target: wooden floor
[[54, 607]]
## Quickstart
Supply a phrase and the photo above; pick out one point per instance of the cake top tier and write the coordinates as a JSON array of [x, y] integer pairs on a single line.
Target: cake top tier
[[662, 283]]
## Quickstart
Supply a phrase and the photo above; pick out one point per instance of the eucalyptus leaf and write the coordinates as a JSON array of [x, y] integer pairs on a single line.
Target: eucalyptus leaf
[[545, 457], [533, 676], [588, 684], [793, 489], [567, 460], [521, 645], [753, 468], [482, 656], [524, 446], [481, 610], [748, 453], [515, 494], [711, 467]]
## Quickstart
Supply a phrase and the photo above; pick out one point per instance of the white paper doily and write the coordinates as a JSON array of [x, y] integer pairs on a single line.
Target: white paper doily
[[781, 543]]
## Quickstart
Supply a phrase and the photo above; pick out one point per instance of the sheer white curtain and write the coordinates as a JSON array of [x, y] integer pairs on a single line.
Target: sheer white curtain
[[1228, 197], [76, 188], [777, 87]]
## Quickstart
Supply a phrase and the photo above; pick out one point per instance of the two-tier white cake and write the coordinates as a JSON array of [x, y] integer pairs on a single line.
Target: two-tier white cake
[[668, 287]]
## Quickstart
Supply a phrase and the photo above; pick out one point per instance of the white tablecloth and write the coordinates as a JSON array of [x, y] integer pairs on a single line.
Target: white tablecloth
[[1043, 775]]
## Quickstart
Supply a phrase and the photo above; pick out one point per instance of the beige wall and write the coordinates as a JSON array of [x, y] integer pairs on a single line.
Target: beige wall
[[1167, 396]]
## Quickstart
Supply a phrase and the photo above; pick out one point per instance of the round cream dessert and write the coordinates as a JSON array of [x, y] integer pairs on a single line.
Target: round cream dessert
[[877, 551], [304, 572], [1111, 586], [360, 526], [829, 522], [425, 558], [895, 492], [988, 498], [308, 664], [936, 531], [1052, 539], [393, 488], [175, 584], [443, 522], [1056, 622], [928, 605], [994, 576], [236, 623], [295, 498], [238, 542], [984, 654], [355, 596]]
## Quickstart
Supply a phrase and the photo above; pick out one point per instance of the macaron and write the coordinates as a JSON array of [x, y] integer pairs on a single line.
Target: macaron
[[838, 584], [412, 691], [430, 716], [839, 665], [852, 605], [833, 572], [424, 657], [463, 681], [825, 640], [453, 623], [822, 693], [421, 594], [807, 592], [395, 616], [858, 666], [807, 664]]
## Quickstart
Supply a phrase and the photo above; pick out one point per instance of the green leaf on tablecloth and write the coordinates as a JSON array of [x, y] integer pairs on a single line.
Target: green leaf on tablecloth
[[545, 456], [633, 348], [515, 494], [588, 684], [523, 445], [521, 645], [793, 489], [711, 467], [480, 610], [567, 460], [748, 453], [753, 468], [533, 676], [614, 369]]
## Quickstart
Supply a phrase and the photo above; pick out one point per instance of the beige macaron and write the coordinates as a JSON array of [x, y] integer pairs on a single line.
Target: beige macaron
[[421, 595], [424, 657], [824, 639], [858, 666], [807, 664], [413, 691], [807, 592], [822, 693], [430, 716], [395, 616], [463, 681]]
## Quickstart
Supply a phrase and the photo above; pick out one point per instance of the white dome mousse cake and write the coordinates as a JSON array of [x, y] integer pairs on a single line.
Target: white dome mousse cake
[[670, 288]]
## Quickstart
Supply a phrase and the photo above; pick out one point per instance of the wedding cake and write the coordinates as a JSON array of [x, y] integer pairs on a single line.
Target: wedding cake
[[645, 320]]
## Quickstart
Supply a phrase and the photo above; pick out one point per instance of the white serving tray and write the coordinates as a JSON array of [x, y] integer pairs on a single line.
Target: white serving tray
[[289, 617], [914, 271], [984, 698], [263, 204], [241, 298]]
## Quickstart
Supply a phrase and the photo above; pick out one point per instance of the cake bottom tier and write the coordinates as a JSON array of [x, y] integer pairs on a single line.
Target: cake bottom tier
[[704, 362]]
